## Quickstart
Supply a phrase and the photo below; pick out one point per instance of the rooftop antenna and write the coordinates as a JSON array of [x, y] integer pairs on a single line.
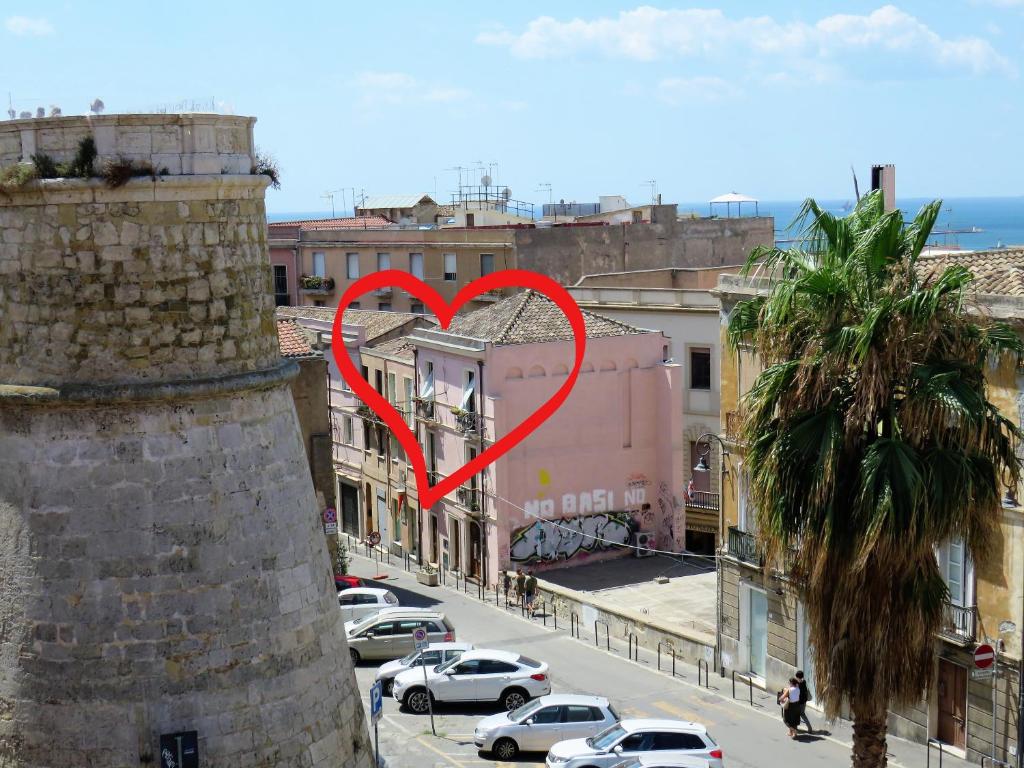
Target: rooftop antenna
[[459, 169], [545, 187], [10, 107], [653, 184], [330, 195]]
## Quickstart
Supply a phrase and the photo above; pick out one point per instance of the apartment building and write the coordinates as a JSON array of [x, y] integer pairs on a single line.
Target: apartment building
[[762, 626], [601, 472]]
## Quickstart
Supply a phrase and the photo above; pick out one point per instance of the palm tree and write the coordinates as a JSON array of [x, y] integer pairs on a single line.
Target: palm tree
[[870, 442]]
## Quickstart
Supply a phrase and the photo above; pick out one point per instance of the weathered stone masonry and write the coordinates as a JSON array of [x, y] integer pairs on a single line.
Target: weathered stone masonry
[[161, 562]]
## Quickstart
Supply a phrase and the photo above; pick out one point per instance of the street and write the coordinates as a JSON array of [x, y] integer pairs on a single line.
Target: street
[[751, 735]]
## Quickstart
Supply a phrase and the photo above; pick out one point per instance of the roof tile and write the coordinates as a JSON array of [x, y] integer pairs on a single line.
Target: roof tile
[[999, 273], [292, 341], [377, 323]]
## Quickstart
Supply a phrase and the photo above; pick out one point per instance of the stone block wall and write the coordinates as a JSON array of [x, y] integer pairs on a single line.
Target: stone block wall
[[160, 279], [175, 144]]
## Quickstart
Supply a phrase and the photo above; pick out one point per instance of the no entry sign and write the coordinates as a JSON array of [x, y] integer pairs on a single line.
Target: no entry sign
[[984, 656]]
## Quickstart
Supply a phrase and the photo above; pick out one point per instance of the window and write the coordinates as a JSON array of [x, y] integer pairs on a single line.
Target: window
[[319, 304], [494, 667], [281, 296], [449, 267], [353, 305], [700, 368], [417, 308], [637, 742], [384, 628], [548, 715], [366, 600], [486, 263], [408, 627], [638, 217], [574, 713], [410, 417], [452, 654], [392, 391], [352, 266], [953, 566], [384, 306], [670, 740], [416, 265], [430, 658], [347, 437], [470, 219], [378, 380], [346, 600], [467, 667], [383, 261], [319, 268], [469, 393], [427, 385]]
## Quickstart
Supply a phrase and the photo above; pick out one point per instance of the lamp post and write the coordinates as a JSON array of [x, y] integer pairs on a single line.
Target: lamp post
[[703, 466]]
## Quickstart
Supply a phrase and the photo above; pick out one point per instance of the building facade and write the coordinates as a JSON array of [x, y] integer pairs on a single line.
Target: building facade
[[762, 626], [601, 472]]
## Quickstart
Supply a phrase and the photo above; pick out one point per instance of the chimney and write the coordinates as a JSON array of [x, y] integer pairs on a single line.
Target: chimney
[[883, 177]]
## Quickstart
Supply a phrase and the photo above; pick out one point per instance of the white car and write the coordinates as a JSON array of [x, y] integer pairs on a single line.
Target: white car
[[432, 656], [534, 727], [654, 760], [479, 675], [633, 738], [358, 602]]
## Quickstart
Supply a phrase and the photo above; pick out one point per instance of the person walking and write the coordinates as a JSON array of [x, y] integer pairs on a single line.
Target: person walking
[[531, 592], [805, 698], [506, 585], [789, 700], [520, 585]]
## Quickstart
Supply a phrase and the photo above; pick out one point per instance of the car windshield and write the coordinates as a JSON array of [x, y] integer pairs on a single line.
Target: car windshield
[[518, 715], [607, 737], [446, 665], [364, 622], [613, 713], [407, 660]]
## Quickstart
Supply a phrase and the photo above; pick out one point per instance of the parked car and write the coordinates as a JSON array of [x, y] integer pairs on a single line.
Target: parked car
[[655, 760], [432, 656], [479, 675], [536, 726], [633, 738], [387, 634], [347, 582], [362, 601]]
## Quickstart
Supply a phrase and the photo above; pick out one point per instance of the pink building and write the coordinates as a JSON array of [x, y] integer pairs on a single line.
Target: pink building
[[605, 470]]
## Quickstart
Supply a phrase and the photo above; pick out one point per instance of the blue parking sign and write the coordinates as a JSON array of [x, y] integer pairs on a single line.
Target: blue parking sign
[[376, 701]]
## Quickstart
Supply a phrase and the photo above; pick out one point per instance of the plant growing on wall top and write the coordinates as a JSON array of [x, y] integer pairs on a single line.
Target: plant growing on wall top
[[266, 164]]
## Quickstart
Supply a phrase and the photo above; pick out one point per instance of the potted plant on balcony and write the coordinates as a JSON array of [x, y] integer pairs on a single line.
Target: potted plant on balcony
[[427, 575]]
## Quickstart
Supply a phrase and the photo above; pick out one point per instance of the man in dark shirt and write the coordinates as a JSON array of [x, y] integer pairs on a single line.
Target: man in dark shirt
[[805, 697]]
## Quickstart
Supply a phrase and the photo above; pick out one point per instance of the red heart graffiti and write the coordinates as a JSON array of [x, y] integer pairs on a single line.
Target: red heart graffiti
[[510, 278]]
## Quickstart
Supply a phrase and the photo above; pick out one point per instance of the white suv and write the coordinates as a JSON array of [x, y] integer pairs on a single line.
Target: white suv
[[632, 738], [480, 675], [358, 602]]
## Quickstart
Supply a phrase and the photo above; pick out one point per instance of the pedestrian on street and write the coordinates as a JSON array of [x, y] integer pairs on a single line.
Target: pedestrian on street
[[520, 585], [531, 592], [805, 698], [506, 584], [789, 700]]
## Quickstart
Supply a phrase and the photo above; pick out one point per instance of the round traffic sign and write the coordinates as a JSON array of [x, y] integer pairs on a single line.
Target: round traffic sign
[[419, 634], [984, 656], [374, 538]]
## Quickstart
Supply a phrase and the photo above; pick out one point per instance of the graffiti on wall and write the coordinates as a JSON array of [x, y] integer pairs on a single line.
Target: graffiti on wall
[[546, 541]]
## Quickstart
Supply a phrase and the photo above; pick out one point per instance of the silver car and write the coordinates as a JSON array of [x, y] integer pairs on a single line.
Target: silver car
[[633, 738], [431, 656], [535, 726], [388, 633]]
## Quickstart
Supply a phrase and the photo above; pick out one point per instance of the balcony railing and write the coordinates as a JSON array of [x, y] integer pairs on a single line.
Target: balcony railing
[[468, 497], [467, 421], [743, 546], [961, 623], [703, 500], [366, 413], [383, 291], [314, 284], [425, 409]]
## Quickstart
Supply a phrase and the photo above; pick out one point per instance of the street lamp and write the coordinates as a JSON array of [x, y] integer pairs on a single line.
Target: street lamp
[[702, 466]]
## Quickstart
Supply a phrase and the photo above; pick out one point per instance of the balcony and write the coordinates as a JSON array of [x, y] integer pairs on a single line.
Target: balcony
[[467, 422], [425, 409], [489, 296], [468, 497], [314, 285], [733, 425], [703, 500], [365, 413], [383, 292], [743, 546], [960, 625]]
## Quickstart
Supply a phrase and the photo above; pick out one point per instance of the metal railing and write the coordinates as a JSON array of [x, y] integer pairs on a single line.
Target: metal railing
[[743, 546], [961, 623], [425, 409], [468, 497], [467, 421], [703, 500]]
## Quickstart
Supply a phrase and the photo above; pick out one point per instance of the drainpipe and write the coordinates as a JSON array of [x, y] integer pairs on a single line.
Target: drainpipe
[[295, 273], [483, 494], [415, 434]]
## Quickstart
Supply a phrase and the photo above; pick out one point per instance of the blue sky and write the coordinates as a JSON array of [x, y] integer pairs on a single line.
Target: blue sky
[[776, 100]]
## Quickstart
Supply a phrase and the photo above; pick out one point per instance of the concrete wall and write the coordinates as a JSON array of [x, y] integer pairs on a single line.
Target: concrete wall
[[309, 391], [703, 279], [568, 253]]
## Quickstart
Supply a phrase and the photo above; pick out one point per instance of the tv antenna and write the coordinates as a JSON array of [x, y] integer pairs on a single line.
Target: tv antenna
[[330, 195], [653, 184], [545, 187]]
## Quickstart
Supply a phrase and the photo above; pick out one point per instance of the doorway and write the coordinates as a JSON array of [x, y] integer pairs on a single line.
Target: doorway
[[368, 496], [474, 548], [349, 509], [952, 704], [435, 546], [757, 637], [456, 540]]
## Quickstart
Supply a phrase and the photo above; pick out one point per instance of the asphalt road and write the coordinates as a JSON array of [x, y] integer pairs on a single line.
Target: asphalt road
[[751, 735]]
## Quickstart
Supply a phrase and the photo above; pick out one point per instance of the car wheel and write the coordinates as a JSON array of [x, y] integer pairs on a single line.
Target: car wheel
[[387, 687], [514, 698], [505, 749], [356, 658], [417, 700]]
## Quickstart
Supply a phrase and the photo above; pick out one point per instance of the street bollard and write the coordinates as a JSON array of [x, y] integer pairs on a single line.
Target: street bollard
[[574, 624], [702, 663], [634, 647], [607, 635]]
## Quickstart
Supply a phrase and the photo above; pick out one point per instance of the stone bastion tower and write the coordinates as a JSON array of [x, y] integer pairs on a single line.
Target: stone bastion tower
[[162, 569]]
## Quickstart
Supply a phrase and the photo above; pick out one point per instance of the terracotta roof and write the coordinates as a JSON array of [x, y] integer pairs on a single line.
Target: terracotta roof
[[531, 318], [999, 273], [347, 222], [400, 348], [292, 341], [377, 323]]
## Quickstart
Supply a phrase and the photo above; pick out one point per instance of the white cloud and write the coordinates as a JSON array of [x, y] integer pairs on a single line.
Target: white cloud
[[28, 27], [680, 90], [650, 34], [400, 87]]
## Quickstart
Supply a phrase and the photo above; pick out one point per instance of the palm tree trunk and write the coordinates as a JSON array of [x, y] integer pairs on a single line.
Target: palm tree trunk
[[869, 747]]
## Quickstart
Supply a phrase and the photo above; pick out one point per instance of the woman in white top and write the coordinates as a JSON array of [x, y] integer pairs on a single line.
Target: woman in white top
[[790, 701]]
